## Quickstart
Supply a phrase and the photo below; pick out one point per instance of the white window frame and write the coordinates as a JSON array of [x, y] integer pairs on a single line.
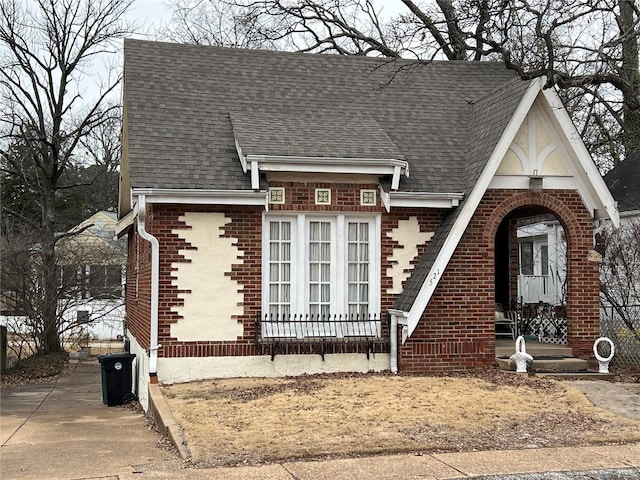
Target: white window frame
[[339, 274]]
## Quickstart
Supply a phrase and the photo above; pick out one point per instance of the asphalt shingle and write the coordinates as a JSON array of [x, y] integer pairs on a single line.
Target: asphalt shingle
[[180, 101]]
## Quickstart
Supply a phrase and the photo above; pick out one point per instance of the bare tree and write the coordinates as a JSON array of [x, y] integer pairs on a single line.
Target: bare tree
[[620, 274], [216, 22], [46, 49], [89, 285], [587, 48]]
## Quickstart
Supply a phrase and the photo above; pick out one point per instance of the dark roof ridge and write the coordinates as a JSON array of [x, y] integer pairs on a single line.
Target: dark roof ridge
[[364, 58]]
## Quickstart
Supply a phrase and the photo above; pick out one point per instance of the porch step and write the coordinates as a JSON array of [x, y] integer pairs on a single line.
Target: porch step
[[535, 349], [548, 364]]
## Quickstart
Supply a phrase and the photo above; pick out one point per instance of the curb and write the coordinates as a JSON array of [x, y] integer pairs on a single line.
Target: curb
[[168, 426]]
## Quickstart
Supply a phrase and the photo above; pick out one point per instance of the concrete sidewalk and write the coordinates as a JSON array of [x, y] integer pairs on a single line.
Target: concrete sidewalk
[[61, 430]]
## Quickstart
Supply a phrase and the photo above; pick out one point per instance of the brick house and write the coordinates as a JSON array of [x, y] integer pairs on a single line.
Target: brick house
[[294, 213]]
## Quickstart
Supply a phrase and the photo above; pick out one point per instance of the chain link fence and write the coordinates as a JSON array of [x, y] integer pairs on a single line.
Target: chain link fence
[[626, 343]]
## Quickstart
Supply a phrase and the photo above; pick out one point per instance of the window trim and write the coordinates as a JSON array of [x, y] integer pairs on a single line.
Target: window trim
[[339, 275]]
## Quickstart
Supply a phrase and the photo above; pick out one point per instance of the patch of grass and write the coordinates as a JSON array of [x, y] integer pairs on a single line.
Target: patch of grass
[[35, 369]]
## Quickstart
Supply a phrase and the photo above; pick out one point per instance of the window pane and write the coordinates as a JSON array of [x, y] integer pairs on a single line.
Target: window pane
[[325, 293], [326, 272], [526, 258], [274, 231], [314, 252], [314, 272], [314, 295], [273, 294], [274, 251], [544, 254]]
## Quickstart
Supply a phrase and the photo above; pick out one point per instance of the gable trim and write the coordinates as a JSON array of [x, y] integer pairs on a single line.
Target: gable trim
[[590, 174], [469, 207]]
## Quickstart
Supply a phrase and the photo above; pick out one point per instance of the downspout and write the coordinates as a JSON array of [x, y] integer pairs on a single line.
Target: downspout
[[397, 318], [141, 210]]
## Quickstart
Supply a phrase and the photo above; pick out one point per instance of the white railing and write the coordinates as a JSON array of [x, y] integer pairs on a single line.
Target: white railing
[[539, 288]]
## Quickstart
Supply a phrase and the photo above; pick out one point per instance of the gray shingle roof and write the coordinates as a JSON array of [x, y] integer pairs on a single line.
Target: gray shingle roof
[[624, 182], [180, 99], [333, 133], [488, 120]]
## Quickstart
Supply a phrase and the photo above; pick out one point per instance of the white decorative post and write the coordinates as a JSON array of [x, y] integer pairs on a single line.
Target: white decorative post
[[603, 362], [521, 356]]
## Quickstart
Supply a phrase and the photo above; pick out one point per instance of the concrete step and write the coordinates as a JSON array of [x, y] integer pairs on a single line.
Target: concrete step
[[548, 364], [535, 349]]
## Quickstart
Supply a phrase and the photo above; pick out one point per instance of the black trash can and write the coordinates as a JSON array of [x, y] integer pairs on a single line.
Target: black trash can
[[116, 378]]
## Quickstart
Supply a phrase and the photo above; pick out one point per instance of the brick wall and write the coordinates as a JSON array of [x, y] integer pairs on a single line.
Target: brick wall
[[246, 226], [457, 330]]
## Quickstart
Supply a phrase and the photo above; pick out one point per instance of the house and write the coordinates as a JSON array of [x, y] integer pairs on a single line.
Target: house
[[293, 213], [92, 264], [90, 289]]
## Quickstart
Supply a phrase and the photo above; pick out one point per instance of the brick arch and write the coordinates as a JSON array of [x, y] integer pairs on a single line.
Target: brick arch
[[563, 214], [582, 275]]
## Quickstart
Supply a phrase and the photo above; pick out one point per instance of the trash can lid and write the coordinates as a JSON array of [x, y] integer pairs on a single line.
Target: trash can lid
[[115, 356]]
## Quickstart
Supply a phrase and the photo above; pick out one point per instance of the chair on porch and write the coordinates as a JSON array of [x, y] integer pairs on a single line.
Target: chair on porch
[[508, 320]]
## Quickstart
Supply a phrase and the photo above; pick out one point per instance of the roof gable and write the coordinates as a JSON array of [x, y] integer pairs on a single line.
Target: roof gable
[[516, 109]]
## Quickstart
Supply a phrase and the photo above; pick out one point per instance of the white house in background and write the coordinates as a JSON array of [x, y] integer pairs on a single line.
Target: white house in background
[[95, 273], [542, 266]]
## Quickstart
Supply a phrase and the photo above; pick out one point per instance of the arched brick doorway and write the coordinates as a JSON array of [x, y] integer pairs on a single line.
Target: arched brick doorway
[[582, 272]]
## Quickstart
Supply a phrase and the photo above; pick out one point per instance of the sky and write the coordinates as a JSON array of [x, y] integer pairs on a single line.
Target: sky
[[152, 14]]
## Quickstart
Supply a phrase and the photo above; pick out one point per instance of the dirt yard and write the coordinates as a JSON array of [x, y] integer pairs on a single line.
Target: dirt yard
[[261, 420]]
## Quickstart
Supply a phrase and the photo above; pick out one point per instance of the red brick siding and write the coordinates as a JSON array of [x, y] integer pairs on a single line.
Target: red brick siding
[[246, 227], [138, 288], [457, 330]]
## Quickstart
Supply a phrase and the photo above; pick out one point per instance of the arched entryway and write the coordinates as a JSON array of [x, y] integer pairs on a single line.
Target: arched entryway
[[530, 276], [576, 297]]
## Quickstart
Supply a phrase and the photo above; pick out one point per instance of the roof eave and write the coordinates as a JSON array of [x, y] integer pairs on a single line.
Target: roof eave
[[281, 163]]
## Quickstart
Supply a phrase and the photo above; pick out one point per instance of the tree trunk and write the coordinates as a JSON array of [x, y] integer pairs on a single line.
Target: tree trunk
[[631, 73], [51, 338]]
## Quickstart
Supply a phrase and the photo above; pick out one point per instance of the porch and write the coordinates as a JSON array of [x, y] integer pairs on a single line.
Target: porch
[[548, 358]]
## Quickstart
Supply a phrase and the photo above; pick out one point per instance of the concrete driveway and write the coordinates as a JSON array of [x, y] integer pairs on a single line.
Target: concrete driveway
[[62, 430]]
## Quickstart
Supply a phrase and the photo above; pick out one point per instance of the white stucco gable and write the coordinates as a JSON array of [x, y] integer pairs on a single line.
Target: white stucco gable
[[547, 145]]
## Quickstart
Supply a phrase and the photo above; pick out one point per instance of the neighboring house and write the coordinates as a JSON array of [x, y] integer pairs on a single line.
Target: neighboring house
[[295, 213], [92, 278], [542, 262], [623, 181]]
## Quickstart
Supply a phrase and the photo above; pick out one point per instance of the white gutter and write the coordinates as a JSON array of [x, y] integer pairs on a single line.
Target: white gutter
[[141, 212], [419, 199], [203, 197]]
